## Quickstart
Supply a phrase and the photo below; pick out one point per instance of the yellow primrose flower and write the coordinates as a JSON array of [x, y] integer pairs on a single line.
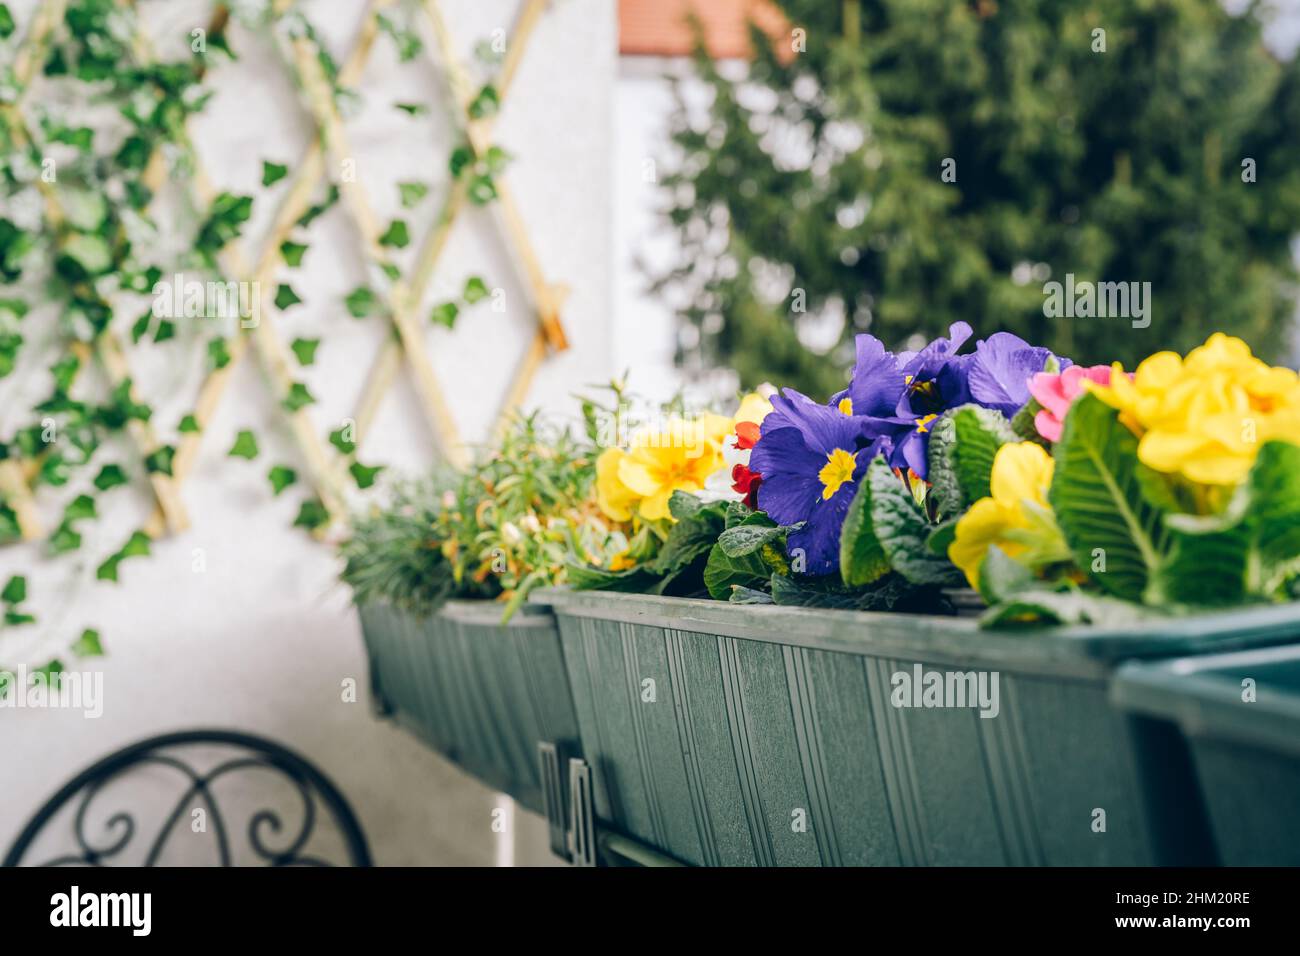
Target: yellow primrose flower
[[680, 458], [1016, 516], [754, 407], [613, 497], [1205, 416]]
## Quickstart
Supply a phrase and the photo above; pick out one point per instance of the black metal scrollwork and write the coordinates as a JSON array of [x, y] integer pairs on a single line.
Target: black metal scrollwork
[[270, 839]]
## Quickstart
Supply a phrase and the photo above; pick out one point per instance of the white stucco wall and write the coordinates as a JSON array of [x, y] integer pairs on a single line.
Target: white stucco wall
[[261, 636]]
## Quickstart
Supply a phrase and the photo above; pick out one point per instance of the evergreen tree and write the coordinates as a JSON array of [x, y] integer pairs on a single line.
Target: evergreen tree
[[1118, 140]]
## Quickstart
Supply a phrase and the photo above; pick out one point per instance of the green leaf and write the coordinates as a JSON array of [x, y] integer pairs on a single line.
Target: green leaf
[[1042, 606], [305, 350], [862, 554], [189, 425], [226, 218], [682, 504], [1251, 549], [724, 571], [361, 302], [396, 235], [273, 172], [485, 103], [292, 252], [15, 592], [482, 190], [80, 508], [6, 22], [64, 539], [412, 193], [110, 476], [462, 158], [311, 515], [364, 475], [412, 109], [339, 439], [281, 477], [299, 397], [963, 443], [245, 446], [285, 297], [331, 197], [166, 330], [1002, 577], [631, 580], [475, 290], [90, 254], [746, 539], [159, 461], [1100, 506], [88, 645], [219, 353], [445, 314]]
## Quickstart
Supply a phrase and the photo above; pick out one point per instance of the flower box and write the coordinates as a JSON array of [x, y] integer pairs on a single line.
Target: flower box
[[726, 734], [482, 693], [1244, 739]]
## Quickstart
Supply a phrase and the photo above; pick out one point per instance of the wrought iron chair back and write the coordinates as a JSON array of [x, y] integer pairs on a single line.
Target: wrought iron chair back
[[251, 753]]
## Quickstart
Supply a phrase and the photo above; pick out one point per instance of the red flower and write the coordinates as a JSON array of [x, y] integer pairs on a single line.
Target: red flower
[[746, 435], [746, 482]]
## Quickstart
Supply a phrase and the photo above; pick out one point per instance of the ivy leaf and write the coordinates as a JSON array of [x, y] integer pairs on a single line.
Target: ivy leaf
[[331, 197], [396, 235], [390, 270], [136, 546], [219, 353], [285, 297], [226, 218], [64, 539], [361, 302], [88, 645], [495, 160], [445, 314], [273, 172], [482, 190], [110, 476], [412, 109], [15, 592], [6, 22], [311, 515], [245, 446], [166, 330], [475, 290], [340, 440], [189, 425], [299, 397], [364, 475], [305, 350], [159, 461], [1100, 503], [462, 158], [292, 252], [82, 256], [64, 372], [407, 40], [485, 103], [412, 193], [281, 477], [80, 508]]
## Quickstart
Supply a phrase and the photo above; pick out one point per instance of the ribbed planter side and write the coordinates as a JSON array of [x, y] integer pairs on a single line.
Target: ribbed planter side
[[481, 693], [1245, 743], [750, 735]]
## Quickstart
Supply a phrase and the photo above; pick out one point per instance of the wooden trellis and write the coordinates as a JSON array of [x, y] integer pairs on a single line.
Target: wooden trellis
[[400, 298]]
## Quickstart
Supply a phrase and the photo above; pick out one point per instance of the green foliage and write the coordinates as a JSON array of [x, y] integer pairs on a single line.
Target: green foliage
[[281, 477], [245, 446], [963, 443], [361, 302], [1122, 166], [304, 350], [1100, 503], [520, 517], [273, 172]]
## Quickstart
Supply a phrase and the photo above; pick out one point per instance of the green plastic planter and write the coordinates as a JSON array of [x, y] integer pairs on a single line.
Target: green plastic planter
[[1246, 752], [481, 693], [728, 734]]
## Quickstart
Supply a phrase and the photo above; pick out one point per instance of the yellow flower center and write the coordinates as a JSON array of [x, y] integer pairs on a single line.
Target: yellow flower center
[[838, 469], [923, 424], [846, 405]]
